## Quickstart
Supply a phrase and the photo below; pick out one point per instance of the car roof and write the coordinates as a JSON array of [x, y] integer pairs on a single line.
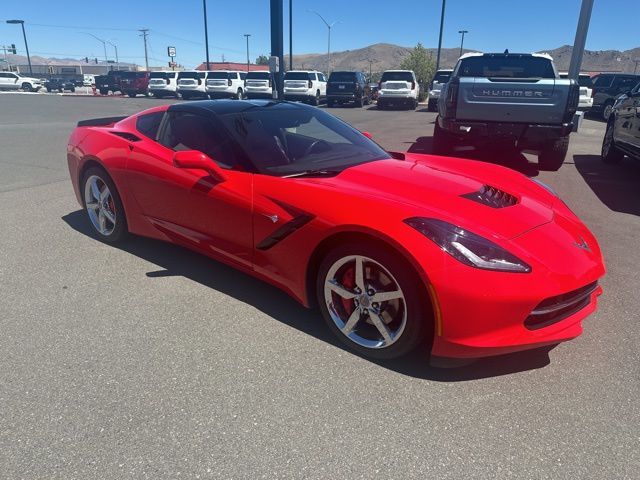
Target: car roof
[[505, 54], [397, 71], [223, 107]]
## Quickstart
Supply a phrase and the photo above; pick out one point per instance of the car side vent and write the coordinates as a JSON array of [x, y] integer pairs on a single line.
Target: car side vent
[[126, 135], [492, 197]]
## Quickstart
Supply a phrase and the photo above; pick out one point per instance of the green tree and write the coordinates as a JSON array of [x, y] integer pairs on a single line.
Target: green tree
[[422, 64], [262, 60]]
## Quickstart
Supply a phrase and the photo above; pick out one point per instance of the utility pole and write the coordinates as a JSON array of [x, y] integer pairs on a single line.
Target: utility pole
[[635, 69], [206, 32], [26, 45], [462, 40], [290, 34], [329, 26], [370, 62], [145, 34], [444, 2], [581, 39], [247, 35], [115, 47]]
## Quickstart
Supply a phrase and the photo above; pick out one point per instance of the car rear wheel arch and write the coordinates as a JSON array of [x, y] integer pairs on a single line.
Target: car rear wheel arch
[[90, 162]]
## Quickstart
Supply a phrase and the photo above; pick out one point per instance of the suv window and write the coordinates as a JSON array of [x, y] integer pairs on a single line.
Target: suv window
[[603, 81], [148, 124], [299, 76], [397, 76], [343, 77], [220, 75], [624, 84], [258, 75], [321, 77], [506, 66], [442, 77], [186, 131], [243, 76]]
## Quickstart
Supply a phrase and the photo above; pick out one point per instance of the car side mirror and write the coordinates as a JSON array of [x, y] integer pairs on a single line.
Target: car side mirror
[[196, 160], [368, 135]]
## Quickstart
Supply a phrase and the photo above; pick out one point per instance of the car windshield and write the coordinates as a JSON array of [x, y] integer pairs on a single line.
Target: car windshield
[[342, 77], [397, 76], [506, 66], [285, 139], [258, 76], [297, 76], [442, 77]]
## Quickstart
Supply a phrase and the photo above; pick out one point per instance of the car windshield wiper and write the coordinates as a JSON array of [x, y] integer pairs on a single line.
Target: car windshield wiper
[[313, 173]]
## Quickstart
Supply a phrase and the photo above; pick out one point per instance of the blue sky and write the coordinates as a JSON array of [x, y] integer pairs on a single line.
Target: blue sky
[[53, 29]]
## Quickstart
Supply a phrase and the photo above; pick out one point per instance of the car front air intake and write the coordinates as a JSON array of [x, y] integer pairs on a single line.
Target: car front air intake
[[492, 197]]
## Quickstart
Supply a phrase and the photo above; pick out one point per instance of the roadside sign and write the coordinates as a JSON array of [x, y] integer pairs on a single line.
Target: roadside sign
[[171, 51], [274, 64]]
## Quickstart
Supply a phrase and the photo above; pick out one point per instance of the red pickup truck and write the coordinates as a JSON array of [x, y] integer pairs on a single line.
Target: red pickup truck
[[134, 83]]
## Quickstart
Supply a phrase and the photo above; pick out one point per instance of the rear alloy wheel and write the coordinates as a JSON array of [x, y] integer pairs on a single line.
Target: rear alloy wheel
[[26, 87], [239, 94], [551, 157], [103, 206], [371, 301], [609, 153], [315, 101]]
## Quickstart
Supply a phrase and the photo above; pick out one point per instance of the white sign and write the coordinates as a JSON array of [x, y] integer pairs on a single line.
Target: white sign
[[171, 51], [274, 64]]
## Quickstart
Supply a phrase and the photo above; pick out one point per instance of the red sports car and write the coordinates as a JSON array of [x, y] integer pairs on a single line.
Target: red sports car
[[397, 249]]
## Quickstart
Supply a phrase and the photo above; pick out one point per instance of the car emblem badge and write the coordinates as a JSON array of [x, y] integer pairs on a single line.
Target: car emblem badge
[[582, 244], [273, 218]]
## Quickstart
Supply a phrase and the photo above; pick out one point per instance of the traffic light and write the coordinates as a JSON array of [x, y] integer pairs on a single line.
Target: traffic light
[[95, 60], [86, 59], [13, 49]]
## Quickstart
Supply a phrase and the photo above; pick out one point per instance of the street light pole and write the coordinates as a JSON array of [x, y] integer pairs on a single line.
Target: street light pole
[[26, 45], [581, 39], [329, 25], [247, 35], [104, 44], [115, 47], [462, 40], [206, 33], [444, 2], [290, 34]]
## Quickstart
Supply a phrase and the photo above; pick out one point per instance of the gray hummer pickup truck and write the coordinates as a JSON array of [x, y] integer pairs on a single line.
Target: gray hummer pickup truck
[[509, 99]]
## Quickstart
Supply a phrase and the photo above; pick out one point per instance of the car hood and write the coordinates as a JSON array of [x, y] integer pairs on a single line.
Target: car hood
[[448, 189]]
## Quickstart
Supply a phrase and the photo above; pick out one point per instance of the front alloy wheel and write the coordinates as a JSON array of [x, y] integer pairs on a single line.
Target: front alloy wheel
[[371, 301]]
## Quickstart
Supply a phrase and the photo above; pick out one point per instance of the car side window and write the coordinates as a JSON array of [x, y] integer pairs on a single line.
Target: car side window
[[188, 131], [626, 84], [243, 76], [322, 77], [148, 124]]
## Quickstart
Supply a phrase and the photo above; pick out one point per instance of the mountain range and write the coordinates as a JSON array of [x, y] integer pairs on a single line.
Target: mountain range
[[384, 56]]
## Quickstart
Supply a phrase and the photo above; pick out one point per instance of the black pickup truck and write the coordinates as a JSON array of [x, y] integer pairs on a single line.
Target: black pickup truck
[[109, 82], [511, 99], [59, 84]]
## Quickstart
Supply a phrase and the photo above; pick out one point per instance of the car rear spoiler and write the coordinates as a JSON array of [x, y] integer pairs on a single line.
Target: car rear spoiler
[[100, 122]]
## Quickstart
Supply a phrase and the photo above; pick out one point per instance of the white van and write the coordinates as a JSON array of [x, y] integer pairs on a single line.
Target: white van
[[305, 85], [88, 80], [258, 84], [163, 84], [226, 84], [192, 84]]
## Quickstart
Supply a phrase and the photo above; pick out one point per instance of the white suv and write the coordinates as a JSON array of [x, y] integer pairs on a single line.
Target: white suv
[[226, 84], [163, 84], [192, 84], [398, 87], [15, 81], [305, 85], [439, 79], [258, 84]]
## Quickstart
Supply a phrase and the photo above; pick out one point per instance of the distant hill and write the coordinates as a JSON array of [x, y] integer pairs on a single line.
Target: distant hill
[[386, 56]]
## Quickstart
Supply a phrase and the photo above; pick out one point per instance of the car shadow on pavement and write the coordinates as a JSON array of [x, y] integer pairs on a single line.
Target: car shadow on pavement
[[177, 261], [615, 185], [507, 157]]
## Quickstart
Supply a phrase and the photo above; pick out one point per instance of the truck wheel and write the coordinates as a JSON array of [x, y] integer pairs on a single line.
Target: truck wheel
[[609, 153], [27, 87], [48, 90], [359, 102], [104, 91], [551, 157], [442, 141], [431, 106], [315, 100], [73, 90], [606, 110], [131, 94]]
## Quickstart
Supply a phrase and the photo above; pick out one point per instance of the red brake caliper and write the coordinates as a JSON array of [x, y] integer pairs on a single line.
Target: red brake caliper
[[348, 281]]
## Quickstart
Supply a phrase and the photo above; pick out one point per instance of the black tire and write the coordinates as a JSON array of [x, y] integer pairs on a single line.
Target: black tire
[[185, 96], [419, 321], [120, 229], [330, 103], [552, 155], [239, 95], [609, 153], [442, 141], [315, 101], [132, 95], [104, 91], [26, 87], [48, 90], [431, 105], [359, 102], [73, 90]]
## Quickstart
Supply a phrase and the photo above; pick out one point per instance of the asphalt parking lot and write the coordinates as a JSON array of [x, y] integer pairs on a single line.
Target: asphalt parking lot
[[148, 361]]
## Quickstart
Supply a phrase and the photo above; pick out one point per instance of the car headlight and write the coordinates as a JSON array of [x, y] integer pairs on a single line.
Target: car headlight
[[467, 247]]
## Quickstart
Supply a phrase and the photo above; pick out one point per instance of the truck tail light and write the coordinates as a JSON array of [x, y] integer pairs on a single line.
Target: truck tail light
[[229, 82], [413, 85], [572, 101], [310, 84], [167, 80], [270, 83], [451, 102]]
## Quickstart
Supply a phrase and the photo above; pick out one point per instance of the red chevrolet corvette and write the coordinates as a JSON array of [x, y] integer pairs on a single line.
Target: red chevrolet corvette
[[397, 249]]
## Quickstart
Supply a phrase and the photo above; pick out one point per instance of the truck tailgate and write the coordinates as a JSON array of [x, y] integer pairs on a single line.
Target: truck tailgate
[[493, 99]]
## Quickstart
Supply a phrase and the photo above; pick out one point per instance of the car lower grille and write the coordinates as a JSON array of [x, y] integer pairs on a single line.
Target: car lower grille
[[492, 197], [555, 309]]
